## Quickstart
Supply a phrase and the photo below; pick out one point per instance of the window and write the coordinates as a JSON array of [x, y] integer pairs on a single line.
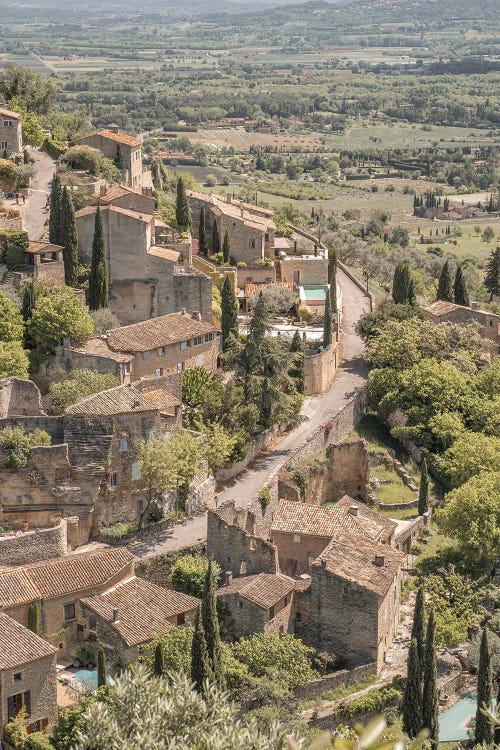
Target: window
[[180, 366], [69, 611], [240, 604], [127, 368], [136, 472], [209, 337], [266, 237], [161, 351], [243, 568], [298, 617], [7, 123], [4, 145], [199, 360], [296, 538], [92, 623], [286, 601], [18, 677], [181, 618], [252, 244], [271, 613], [185, 345], [146, 355], [17, 701], [123, 445], [158, 372], [113, 479], [139, 506], [197, 340]]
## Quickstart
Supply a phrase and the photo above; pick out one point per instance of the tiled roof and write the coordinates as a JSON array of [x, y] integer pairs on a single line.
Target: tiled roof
[[118, 191], [8, 113], [265, 589], [144, 609], [126, 140], [151, 334], [162, 251], [43, 247], [19, 646], [252, 216], [162, 400], [120, 400], [441, 307], [97, 346], [252, 289], [138, 215], [77, 572], [313, 520], [376, 526], [16, 588]]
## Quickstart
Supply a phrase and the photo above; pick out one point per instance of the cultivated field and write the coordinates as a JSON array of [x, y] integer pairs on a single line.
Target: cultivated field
[[241, 140], [372, 135]]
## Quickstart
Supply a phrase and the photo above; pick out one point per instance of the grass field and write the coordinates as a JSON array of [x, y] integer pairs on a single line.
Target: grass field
[[241, 139], [368, 135]]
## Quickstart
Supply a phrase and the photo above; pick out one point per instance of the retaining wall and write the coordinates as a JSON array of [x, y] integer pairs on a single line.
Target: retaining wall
[[336, 680], [258, 444], [32, 546]]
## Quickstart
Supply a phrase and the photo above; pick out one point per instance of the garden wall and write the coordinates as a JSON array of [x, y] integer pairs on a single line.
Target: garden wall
[[336, 680], [258, 444], [31, 546]]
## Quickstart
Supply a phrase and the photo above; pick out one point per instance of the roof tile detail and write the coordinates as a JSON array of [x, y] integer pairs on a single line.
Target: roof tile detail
[[265, 589], [314, 520], [19, 646], [162, 331]]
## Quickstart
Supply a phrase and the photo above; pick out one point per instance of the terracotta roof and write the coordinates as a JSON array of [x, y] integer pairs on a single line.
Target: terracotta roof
[[19, 646], [97, 346], [265, 589], [376, 526], [162, 331], [77, 572], [162, 251], [119, 400], [313, 520], [43, 247], [8, 113], [144, 609], [252, 216], [16, 588], [138, 215], [441, 307], [116, 192], [352, 558], [162, 400], [126, 140], [252, 289]]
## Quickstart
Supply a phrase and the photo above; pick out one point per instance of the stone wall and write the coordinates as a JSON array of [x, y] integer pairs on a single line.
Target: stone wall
[[31, 546], [52, 425], [304, 270], [411, 532], [320, 369], [336, 680], [19, 397], [258, 444], [10, 222], [39, 677], [247, 618], [237, 549]]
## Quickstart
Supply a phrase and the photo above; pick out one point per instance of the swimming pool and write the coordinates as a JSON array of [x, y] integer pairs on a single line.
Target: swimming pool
[[314, 292], [86, 675], [453, 722]]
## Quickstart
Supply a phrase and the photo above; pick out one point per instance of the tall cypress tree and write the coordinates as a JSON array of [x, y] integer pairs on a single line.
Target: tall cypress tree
[[69, 238], [483, 732], [411, 296], [297, 369], [215, 238], [401, 284], [418, 627], [182, 210], [412, 699], [201, 673], [328, 321], [34, 618], [229, 311], [202, 231], [332, 265], [492, 278], [430, 701], [444, 291], [226, 249], [210, 622], [159, 663], [101, 669], [423, 492], [460, 293], [98, 279], [55, 229]]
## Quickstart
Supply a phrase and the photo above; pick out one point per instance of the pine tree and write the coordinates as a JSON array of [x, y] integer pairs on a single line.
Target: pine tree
[[460, 293], [401, 284], [34, 618], [229, 311], [215, 238], [430, 704], [328, 321], [297, 369], [226, 249], [159, 663], [418, 627], [201, 673], [182, 210], [444, 291], [202, 229], [412, 699], [55, 230], [483, 732], [69, 238], [492, 279], [98, 279], [101, 669], [210, 622], [423, 492]]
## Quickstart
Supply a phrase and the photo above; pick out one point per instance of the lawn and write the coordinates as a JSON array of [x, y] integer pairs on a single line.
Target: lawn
[[393, 489]]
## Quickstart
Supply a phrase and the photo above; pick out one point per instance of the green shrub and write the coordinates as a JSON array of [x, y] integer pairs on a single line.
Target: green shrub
[[85, 655], [20, 444], [372, 702], [188, 574], [37, 741]]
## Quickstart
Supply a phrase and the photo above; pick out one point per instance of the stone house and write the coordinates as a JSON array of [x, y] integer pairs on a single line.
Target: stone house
[[27, 676], [111, 142], [11, 135], [488, 323], [250, 228], [260, 603], [148, 276], [130, 615]]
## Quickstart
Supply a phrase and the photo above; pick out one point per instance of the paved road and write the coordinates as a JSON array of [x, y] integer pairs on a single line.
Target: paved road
[[34, 213], [317, 410]]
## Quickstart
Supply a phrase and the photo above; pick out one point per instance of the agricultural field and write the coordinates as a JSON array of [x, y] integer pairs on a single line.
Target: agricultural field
[[369, 134], [241, 140]]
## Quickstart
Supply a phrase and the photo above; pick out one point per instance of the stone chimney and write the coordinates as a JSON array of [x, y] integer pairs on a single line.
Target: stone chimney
[[113, 127], [115, 615], [354, 510], [229, 197], [102, 190], [196, 315], [379, 561], [474, 305], [229, 577], [183, 311], [136, 403]]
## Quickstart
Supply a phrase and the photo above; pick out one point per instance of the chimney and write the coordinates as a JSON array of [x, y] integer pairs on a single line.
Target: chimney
[[354, 510], [229, 197], [474, 305], [242, 212], [115, 615], [379, 561], [113, 127], [183, 311], [136, 403], [229, 577], [295, 247], [196, 315], [102, 190]]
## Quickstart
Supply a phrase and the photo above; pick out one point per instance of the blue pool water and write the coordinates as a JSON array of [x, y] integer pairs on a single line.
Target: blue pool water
[[314, 291], [453, 722], [86, 675]]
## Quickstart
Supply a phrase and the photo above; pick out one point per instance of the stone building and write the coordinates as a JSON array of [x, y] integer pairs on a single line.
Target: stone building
[[11, 134], [124, 149], [149, 275], [130, 615], [488, 323], [250, 228], [27, 676]]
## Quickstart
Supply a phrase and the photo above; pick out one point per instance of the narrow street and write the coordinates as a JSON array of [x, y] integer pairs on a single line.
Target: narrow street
[[34, 214]]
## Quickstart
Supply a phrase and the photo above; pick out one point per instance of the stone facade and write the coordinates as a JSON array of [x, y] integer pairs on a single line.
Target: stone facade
[[247, 618], [320, 369], [488, 322], [232, 542], [31, 546], [305, 269], [11, 136], [109, 142], [19, 397]]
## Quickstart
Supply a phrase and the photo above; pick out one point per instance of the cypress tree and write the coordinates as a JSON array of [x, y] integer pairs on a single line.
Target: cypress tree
[[492, 278], [119, 157], [444, 291], [159, 664], [210, 622], [202, 229], [430, 705], [483, 732], [34, 618], [69, 238], [418, 627], [460, 293], [332, 265], [423, 492], [182, 211], [98, 279], [401, 284], [412, 699], [328, 320], [101, 669], [297, 370], [412, 298], [200, 666], [55, 230], [226, 249], [229, 312], [30, 291], [215, 238]]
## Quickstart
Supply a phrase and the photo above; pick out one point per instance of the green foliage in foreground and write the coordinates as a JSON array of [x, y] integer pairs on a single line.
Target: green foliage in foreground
[[11, 321], [188, 574], [20, 444], [79, 384], [14, 360]]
